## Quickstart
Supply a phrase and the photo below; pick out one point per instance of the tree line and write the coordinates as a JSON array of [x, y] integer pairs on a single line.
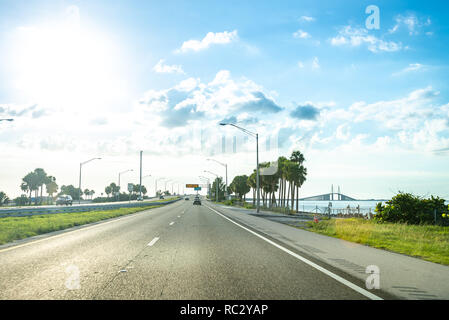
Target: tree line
[[34, 183], [280, 182]]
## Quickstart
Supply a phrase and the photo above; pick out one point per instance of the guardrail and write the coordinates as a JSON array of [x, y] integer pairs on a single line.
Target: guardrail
[[23, 212]]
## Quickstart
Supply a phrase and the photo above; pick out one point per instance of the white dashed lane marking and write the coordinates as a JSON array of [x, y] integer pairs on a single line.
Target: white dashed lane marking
[[153, 241]]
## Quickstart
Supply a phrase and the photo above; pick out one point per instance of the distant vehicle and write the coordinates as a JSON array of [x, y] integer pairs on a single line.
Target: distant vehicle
[[197, 201], [139, 198], [161, 197], [64, 200], [187, 198]]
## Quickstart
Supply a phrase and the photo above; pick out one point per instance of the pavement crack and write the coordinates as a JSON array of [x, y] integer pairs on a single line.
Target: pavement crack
[[170, 269], [123, 269]]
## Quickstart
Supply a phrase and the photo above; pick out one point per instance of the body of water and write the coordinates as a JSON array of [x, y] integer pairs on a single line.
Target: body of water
[[355, 206]]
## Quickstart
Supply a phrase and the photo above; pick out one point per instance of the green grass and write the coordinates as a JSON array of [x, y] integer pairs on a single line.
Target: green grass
[[15, 228], [427, 242]]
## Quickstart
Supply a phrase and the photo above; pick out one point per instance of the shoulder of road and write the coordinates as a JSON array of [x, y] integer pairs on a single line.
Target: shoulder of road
[[400, 275]]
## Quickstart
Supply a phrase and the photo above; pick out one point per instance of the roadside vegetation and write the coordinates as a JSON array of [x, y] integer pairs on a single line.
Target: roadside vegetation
[[406, 224], [39, 188], [428, 242], [279, 180], [411, 209], [15, 228]]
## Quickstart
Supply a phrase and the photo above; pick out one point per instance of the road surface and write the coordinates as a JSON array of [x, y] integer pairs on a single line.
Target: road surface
[[179, 251]]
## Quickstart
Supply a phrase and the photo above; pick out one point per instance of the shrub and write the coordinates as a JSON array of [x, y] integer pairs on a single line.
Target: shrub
[[411, 209], [21, 201]]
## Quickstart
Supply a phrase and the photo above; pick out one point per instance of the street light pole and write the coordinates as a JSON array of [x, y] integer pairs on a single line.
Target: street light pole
[[79, 185], [254, 135], [208, 184], [226, 167], [140, 184], [257, 174], [216, 184], [148, 175], [119, 180]]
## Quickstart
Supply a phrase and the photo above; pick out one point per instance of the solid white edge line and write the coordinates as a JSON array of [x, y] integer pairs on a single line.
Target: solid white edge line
[[153, 241], [310, 263]]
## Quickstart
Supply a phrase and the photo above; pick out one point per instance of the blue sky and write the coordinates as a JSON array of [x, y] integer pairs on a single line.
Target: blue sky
[[367, 107]]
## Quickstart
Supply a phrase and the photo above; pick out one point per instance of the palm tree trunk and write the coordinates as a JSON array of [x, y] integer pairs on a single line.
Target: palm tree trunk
[[285, 193], [293, 194], [297, 198], [281, 192]]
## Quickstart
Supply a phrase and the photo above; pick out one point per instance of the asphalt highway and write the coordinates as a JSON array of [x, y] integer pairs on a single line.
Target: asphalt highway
[[179, 251]]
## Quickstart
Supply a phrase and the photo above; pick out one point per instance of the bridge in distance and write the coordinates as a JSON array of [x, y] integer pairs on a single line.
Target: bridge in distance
[[332, 196]]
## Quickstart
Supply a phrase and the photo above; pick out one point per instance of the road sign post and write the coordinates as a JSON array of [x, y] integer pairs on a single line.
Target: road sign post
[[130, 189]]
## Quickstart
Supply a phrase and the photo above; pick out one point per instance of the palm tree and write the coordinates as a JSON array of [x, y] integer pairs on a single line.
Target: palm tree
[[252, 182], [3, 198], [42, 177], [51, 186], [86, 192], [108, 190], [24, 187], [282, 175], [30, 183], [298, 158]]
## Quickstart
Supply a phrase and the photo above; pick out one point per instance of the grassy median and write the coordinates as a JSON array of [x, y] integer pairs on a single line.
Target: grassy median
[[429, 243], [15, 228]]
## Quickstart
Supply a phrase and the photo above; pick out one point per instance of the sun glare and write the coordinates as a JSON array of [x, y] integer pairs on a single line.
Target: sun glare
[[65, 65]]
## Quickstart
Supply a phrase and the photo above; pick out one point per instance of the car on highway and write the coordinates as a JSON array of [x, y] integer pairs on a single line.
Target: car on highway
[[139, 198], [186, 198], [64, 200], [197, 201]]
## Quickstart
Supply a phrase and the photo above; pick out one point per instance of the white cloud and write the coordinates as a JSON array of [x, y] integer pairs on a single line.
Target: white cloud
[[210, 39], [343, 132], [411, 22], [300, 34], [315, 63], [356, 37], [400, 114], [300, 65], [411, 68], [160, 67], [306, 19], [192, 100]]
